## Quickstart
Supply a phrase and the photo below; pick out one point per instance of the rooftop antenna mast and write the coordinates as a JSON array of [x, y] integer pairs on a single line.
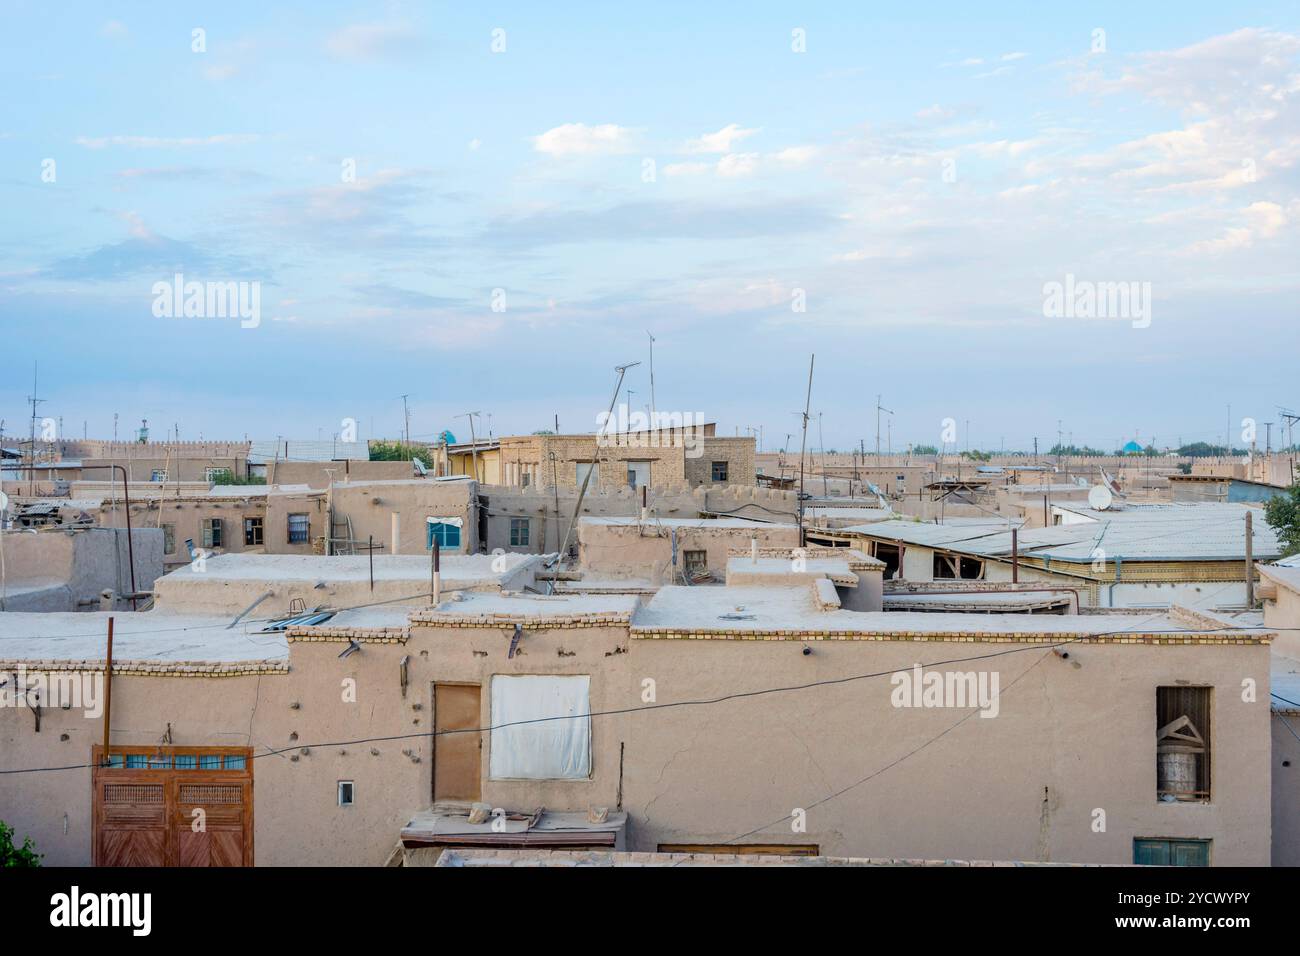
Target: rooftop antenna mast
[[879, 408], [1291, 418], [577, 506], [473, 441], [406, 418], [654, 409], [803, 444], [33, 401]]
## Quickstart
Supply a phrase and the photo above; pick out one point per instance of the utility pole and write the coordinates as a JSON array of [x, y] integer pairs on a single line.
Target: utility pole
[[653, 408], [406, 427], [473, 441], [822, 441], [577, 505], [803, 445], [32, 447], [1250, 562]]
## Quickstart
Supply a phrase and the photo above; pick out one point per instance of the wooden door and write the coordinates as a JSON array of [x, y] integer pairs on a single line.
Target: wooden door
[[457, 757], [172, 806]]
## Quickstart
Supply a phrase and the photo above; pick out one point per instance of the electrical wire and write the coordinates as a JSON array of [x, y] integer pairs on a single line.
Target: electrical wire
[[739, 695]]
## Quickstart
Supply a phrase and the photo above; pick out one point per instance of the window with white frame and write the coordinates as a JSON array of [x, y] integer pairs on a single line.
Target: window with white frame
[[585, 467], [525, 745]]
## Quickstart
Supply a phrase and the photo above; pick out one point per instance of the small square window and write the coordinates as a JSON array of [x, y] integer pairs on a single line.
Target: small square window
[[346, 793], [158, 474], [518, 532], [218, 476], [696, 561], [235, 762], [186, 762], [252, 531], [210, 762], [719, 471]]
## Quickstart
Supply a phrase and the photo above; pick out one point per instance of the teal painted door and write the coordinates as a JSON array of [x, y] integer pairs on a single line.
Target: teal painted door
[[1171, 852]]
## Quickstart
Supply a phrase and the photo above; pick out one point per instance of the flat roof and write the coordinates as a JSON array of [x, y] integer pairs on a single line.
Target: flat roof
[[76, 636], [737, 611], [955, 601], [472, 607], [703, 523], [454, 568]]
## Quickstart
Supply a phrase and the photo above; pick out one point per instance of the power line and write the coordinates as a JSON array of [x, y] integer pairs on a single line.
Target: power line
[[739, 695]]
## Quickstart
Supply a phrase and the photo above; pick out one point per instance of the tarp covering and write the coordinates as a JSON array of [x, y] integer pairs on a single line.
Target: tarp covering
[[547, 749]]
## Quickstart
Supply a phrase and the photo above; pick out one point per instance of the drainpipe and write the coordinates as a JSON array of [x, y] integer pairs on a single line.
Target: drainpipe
[[108, 688], [435, 570]]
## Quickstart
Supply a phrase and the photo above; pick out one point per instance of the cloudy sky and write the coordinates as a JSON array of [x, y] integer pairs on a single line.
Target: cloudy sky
[[486, 207]]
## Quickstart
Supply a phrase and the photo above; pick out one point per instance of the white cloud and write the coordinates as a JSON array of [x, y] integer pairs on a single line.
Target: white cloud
[[737, 164], [935, 112], [795, 155], [166, 142], [579, 139], [115, 30], [374, 41], [1261, 220], [687, 169], [720, 142]]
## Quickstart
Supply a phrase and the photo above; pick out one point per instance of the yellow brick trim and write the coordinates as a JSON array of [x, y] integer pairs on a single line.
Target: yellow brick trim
[[129, 668]]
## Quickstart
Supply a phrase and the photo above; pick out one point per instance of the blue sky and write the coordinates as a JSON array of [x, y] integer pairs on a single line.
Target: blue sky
[[1168, 156]]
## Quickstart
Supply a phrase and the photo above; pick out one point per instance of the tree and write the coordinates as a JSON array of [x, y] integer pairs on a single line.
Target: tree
[[12, 856], [398, 451], [925, 450], [1283, 515]]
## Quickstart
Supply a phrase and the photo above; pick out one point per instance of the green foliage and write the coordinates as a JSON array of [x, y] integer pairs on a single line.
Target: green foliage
[[1283, 515], [399, 451], [925, 450], [978, 455], [227, 477], [12, 856], [1202, 449], [544, 431], [1077, 451]]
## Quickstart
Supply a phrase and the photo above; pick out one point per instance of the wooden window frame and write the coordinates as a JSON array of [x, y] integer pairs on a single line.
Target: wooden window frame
[[517, 525], [213, 533]]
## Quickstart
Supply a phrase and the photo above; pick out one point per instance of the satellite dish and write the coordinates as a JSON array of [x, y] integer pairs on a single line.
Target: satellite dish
[[1099, 497]]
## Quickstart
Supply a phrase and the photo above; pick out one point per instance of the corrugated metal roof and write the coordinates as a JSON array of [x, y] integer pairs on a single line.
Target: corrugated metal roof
[[302, 620], [1161, 532]]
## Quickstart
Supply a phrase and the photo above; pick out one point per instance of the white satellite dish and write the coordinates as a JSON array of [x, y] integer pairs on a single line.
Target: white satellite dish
[[1099, 498]]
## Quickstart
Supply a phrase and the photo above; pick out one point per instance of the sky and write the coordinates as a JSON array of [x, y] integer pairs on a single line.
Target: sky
[[488, 207]]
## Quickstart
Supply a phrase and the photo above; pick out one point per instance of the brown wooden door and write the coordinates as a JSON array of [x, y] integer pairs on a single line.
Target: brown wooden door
[[457, 757], [180, 807]]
